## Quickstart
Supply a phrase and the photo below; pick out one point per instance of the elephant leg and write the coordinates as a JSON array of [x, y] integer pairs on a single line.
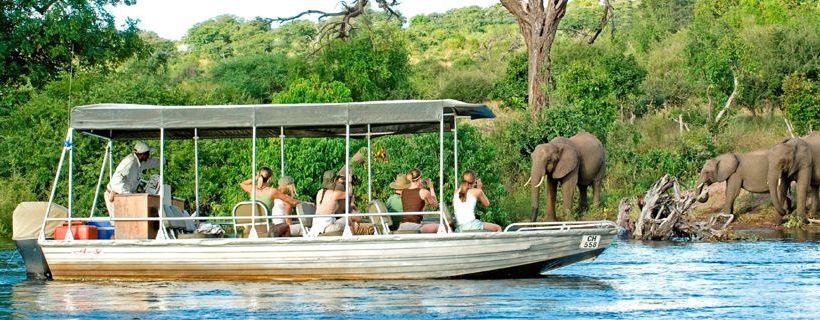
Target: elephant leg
[[567, 187], [551, 190], [732, 191], [596, 193], [802, 193], [582, 198], [814, 196]]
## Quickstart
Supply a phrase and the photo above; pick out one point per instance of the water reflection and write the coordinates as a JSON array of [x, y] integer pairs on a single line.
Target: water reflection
[[632, 279]]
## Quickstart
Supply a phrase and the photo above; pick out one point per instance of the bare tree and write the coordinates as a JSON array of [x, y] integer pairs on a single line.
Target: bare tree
[[341, 27], [609, 12], [538, 21]]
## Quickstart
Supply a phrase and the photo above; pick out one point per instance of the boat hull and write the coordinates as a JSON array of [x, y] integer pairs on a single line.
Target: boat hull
[[418, 256]]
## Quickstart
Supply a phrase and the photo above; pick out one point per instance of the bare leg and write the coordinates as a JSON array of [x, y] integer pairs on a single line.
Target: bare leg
[[429, 228], [492, 227]]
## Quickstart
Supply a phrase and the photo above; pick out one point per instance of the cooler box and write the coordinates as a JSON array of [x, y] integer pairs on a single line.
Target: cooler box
[[78, 230], [105, 230]]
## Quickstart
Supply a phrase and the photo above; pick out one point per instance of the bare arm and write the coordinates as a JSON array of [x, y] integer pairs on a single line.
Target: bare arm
[[479, 194], [276, 194], [246, 185]]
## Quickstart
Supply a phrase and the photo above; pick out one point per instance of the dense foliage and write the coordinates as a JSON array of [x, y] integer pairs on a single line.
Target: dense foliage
[[657, 61]]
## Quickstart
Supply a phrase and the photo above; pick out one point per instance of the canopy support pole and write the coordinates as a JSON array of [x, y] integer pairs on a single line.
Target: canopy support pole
[[347, 183], [456, 176], [68, 234], [163, 233], [196, 172], [252, 234], [369, 171], [99, 179], [442, 227], [282, 151], [66, 145]]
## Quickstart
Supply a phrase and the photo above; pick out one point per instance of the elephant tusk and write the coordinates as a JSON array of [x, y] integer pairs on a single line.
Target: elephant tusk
[[528, 181], [540, 182]]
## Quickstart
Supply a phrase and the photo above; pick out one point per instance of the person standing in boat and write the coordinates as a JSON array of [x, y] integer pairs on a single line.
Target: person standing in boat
[[268, 195], [413, 199], [468, 194], [126, 178]]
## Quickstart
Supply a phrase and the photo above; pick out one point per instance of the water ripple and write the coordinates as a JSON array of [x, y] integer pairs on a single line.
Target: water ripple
[[777, 279]]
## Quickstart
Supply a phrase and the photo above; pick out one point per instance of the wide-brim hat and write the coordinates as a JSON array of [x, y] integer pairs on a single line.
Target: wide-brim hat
[[328, 178], [400, 182]]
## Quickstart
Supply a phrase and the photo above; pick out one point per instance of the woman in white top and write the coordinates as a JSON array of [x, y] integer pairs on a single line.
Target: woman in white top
[[464, 201], [282, 206]]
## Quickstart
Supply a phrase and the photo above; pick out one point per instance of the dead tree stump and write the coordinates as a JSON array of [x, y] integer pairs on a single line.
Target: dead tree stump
[[664, 215]]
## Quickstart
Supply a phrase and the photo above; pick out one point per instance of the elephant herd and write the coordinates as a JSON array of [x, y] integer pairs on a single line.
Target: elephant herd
[[580, 161], [769, 171]]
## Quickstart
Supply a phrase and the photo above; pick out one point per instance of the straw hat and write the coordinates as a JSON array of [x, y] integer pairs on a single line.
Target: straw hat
[[400, 182]]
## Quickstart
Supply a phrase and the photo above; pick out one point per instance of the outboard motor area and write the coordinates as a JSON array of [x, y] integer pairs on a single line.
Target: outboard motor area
[[27, 221]]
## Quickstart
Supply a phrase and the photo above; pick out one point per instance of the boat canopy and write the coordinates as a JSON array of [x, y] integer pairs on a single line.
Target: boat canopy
[[132, 121]]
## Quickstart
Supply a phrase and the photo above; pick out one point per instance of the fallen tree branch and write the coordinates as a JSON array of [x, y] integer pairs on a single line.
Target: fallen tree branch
[[664, 215]]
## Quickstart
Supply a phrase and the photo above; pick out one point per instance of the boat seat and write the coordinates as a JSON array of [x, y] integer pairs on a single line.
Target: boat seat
[[246, 208], [305, 209], [381, 223]]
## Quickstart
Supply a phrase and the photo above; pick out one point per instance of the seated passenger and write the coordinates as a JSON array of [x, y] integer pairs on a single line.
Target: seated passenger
[[464, 201], [393, 202], [283, 202], [266, 194], [327, 202], [413, 199]]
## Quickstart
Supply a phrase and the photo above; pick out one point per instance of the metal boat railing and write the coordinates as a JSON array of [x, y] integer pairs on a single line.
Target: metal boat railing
[[560, 225]]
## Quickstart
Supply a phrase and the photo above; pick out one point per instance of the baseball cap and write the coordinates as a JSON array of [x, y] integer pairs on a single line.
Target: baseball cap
[[141, 147]]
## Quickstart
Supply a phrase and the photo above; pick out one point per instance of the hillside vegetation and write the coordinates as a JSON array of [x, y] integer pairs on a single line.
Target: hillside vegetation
[[656, 62]]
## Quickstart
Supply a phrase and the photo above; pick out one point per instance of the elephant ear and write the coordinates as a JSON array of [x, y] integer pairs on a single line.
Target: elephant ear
[[567, 162], [726, 166]]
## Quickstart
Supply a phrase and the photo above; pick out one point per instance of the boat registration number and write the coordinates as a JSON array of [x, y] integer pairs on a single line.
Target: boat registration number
[[590, 242]]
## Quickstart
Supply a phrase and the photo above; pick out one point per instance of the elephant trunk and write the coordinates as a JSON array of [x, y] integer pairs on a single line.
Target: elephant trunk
[[534, 201], [774, 180], [703, 190]]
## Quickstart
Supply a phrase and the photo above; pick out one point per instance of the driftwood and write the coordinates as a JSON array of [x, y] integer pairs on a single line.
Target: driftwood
[[664, 215]]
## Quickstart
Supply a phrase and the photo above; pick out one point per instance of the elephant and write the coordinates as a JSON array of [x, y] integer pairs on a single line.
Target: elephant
[[578, 161], [739, 170], [795, 159]]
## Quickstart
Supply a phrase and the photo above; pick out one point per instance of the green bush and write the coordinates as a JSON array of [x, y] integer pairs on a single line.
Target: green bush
[[801, 99], [313, 91], [257, 76], [14, 190], [468, 86]]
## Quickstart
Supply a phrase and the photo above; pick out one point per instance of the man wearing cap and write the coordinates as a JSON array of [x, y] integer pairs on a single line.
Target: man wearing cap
[[127, 176]]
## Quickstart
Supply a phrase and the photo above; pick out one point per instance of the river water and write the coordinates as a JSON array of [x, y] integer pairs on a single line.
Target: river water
[[763, 279]]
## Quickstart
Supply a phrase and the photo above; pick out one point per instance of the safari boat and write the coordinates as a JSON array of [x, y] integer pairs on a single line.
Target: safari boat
[[521, 250]]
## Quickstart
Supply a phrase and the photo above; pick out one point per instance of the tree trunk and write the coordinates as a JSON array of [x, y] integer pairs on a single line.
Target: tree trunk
[[538, 21]]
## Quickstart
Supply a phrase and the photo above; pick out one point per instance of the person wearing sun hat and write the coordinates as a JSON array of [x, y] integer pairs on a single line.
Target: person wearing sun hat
[[126, 177], [393, 202]]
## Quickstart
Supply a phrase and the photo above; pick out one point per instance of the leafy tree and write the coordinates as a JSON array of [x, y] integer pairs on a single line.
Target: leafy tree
[[257, 76], [40, 38], [801, 100], [372, 64]]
